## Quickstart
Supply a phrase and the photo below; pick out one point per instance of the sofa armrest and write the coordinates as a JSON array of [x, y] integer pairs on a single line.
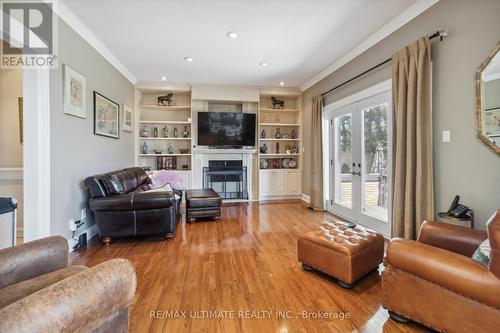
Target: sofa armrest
[[133, 201], [32, 259], [449, 270], [450, 237], [80, 303]]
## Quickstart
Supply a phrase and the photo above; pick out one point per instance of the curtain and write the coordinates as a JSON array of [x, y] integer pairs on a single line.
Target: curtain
[[413, 190], [317, 155]]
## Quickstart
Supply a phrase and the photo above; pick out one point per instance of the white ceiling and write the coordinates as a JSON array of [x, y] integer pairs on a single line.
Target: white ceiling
[[298, 38]]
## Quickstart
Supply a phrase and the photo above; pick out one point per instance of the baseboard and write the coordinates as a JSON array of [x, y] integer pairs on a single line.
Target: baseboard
[[279, 197], [305, 198], [91, 232]]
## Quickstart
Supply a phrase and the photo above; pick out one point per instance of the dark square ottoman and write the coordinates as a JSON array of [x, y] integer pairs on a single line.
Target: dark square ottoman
[[205, 203]]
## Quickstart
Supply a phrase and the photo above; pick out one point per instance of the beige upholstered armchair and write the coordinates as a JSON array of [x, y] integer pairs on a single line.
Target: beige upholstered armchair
[[39, 292]]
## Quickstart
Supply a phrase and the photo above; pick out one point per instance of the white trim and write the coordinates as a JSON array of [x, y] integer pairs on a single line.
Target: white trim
[[305, 198], [80, 28], [91, 233], [11, 173], [406, 16], [279, 197], [36, 153], [360, 95]]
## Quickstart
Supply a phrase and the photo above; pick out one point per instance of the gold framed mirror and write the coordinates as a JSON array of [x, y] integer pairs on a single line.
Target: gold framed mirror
[[488, 101]]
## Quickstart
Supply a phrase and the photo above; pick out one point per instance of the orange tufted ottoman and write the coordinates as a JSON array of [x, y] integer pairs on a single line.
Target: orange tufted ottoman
[[344, 253]]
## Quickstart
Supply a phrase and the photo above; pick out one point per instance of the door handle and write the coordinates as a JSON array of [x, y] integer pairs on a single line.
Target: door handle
[[354, 173]]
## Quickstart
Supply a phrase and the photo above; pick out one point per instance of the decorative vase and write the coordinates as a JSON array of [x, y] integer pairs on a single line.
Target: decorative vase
[[165, 132], [186, 132], [176, 132], [263, 134], [155, 132], [293, 134], [144, 132], [145, 148], [170, 148], [278, 134], [277, 147]]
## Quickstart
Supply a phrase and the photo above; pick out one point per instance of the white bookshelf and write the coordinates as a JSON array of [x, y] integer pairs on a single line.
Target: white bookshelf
[[280, 181]]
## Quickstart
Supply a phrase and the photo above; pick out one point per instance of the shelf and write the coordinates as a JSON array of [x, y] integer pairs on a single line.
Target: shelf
[[173, 122], [159, 155], [266, 139], [279, 124], [279, 110], [166, 139], [166, 108], [281, 154]]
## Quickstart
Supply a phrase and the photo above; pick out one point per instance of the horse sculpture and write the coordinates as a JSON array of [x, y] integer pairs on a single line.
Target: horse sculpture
[[277, 102], [167, 98]]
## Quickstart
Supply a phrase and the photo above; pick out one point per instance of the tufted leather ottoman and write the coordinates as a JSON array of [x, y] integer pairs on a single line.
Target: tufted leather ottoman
[[344, 253], [205, 203]]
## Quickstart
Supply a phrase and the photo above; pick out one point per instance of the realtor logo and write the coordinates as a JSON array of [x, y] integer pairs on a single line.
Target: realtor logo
[[28, 34]]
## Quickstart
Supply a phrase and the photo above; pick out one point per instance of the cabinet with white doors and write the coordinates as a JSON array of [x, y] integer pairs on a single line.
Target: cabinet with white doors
[[279, 184]]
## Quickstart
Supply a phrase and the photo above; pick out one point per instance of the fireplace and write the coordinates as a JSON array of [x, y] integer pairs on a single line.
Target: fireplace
[[227, 177]]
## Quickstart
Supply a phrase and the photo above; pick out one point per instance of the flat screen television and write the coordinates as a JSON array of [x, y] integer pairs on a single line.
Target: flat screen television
[[226, 129]]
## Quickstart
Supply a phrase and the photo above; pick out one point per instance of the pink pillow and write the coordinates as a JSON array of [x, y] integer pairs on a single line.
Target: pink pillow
[[163, 177]]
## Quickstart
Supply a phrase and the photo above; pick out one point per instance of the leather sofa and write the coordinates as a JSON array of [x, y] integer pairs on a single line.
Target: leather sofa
[[435, 282], [39, 292], [124, 204]]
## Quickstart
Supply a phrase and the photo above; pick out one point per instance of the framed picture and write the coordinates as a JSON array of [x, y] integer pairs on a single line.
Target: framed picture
[[106, 117], [75, 98], [128, 118], [492, 122]]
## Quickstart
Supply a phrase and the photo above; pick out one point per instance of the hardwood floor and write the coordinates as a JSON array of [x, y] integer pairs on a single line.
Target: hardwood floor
[[245, 262]]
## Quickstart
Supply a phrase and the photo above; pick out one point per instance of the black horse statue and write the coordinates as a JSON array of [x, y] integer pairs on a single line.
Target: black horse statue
[[167, 98], [277, 102]]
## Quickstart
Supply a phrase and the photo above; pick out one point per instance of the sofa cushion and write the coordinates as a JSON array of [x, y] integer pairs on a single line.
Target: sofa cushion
[[15, 292], [482, 254], [112, 184]]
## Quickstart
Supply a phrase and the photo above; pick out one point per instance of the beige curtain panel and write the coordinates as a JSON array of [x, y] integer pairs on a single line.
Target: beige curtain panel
[[413, 190], [317, 155]]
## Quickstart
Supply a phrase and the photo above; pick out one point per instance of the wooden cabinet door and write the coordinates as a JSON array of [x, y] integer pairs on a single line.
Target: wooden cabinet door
[[293, 183], [265, 183], [280, 183]]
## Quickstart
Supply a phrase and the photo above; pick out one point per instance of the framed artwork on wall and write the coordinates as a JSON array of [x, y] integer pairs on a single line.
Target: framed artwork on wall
[[75, 98], [128, 118], [106, 117]]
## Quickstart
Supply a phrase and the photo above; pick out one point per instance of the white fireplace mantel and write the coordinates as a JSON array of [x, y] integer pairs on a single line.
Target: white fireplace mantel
[[201, 156]]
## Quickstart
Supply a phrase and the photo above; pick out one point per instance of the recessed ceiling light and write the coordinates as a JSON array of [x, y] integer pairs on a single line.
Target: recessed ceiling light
[[282, 83], [232, 34], [264, 64], [164, 78], [188, 59]]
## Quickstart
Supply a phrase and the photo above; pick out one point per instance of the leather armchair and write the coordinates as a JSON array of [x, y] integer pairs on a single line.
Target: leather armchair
[[39, 292], [124, 205], [434, 280]]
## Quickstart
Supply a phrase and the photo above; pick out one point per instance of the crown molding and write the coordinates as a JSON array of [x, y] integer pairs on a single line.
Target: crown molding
[[403, 18], [80, 28]]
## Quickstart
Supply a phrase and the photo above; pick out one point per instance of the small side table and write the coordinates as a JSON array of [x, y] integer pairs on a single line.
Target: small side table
[[468, 218]]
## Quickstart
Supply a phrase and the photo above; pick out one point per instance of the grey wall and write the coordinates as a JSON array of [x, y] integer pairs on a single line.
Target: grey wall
[[75, 151], [464, 166]]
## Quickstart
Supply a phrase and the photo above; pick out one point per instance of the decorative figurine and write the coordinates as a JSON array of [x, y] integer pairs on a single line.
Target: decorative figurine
[[155, 132], [278, 134], [277, 147], [186, 132], [295, 150], [170, 148], [145, 148], [164, 132], [288, 149], [279, 103], [176, 132], [167, 98], [144, 132], [293, 134], [263, 149], [263, 134]]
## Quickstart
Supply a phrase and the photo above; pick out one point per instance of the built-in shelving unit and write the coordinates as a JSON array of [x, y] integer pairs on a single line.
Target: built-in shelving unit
[[161, 129], [280, 148]]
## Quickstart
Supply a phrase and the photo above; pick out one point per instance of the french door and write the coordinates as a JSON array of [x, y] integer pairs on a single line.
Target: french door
[[360, 161]]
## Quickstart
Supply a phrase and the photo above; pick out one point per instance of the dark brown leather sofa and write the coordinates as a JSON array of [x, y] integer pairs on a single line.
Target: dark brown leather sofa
[[435, 282], [124, 204], [39, 292]]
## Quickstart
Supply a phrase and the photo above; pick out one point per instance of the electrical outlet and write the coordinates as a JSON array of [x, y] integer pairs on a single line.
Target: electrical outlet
[[72, 225], [83, 215], [446, 136]]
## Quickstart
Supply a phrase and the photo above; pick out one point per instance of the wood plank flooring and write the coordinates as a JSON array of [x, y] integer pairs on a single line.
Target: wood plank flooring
[[245, 262]]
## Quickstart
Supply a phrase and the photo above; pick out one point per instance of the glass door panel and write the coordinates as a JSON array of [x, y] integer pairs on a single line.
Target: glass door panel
[[343, 160], [375, 167]]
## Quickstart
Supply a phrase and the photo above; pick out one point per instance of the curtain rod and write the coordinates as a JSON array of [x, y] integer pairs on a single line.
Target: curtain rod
[[439, 33]]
